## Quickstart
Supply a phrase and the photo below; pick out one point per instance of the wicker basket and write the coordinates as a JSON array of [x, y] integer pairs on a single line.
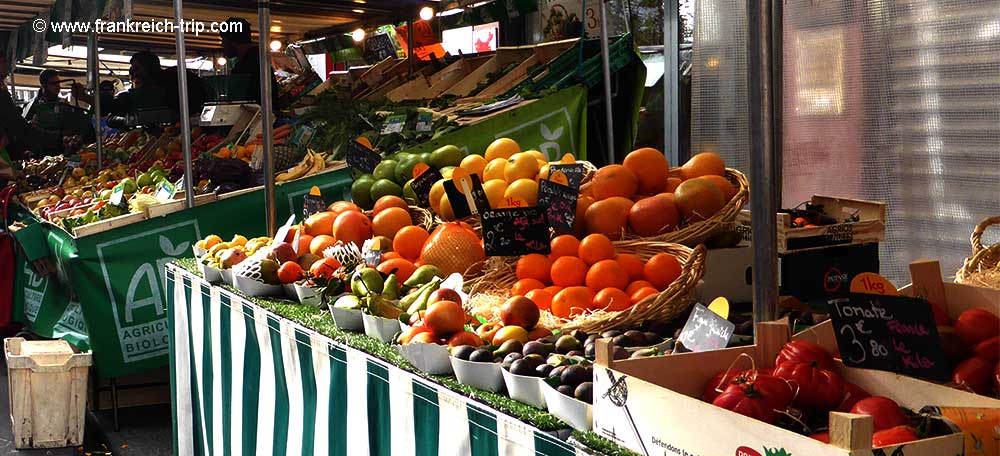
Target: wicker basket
[[421, 217], [698, 232], [490, 291], [982, 268]]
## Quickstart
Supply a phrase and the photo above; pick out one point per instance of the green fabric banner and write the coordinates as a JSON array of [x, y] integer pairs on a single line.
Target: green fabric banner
[[554, 125], [112, 282]]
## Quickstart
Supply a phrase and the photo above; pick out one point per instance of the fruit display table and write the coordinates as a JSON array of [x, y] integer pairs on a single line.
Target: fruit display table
[[247, 381], [105, 291]]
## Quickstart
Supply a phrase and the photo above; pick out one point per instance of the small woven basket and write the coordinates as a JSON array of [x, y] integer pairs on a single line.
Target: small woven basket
[[490, 291], [982, 268]]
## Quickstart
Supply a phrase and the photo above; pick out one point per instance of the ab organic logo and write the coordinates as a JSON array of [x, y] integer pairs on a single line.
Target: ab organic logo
[[34, 292], [140, 315]]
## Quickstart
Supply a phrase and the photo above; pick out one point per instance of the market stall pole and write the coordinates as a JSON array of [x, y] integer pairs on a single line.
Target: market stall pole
[[94, 73], [671, 85], [763, 199], [606, 67], [264, 24], [185, 118]]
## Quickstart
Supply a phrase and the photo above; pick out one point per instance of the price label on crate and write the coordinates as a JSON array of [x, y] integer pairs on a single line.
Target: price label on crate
[[423, 183], [559, 202], [313, 202], [425, 122], [871, 283], [394, 124], [515, 231], [890, 333], [117, 195], [165, 191], [706, 330], [574, 174], [361, 158]]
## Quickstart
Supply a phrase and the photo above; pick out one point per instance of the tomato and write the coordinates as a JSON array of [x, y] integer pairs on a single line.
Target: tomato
[[884, 411], [977, 325], [852, 394], [745, 399], [803, 351], [720, 382], [821, 436], [988, 349], [974, 374], [894, 436], [819, 389]]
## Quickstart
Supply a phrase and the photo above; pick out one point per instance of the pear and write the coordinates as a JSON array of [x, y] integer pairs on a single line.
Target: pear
[[422, 275]]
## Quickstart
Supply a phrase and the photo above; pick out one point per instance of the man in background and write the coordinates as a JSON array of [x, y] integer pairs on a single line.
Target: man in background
[[17, 136], [236, 44]]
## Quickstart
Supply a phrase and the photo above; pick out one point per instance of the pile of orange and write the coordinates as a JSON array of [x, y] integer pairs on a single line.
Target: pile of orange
[[639, 196], [589, 274]]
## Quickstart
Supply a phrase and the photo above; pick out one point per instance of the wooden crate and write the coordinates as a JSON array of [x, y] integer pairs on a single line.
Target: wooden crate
[[48, 392], [653, 405], [423, 88], [870, 228], [498, 60], [373, 76], [540, 55], [109, 224], [179, 204]]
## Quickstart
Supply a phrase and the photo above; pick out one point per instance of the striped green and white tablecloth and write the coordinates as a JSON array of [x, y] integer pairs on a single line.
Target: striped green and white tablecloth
[[245, 381]]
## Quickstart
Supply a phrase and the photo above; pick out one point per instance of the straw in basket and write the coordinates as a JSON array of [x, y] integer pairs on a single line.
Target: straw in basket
[[982, 268]]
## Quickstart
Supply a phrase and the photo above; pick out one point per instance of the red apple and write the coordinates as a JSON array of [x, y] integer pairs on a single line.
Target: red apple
[[444, 294], [519, 311]]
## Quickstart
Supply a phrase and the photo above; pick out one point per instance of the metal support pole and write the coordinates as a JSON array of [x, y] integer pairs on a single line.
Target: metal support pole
[[94, 73], [182, 86], [606, 66], [409, 45], [763, 201], [671, 82], [264, 22], [777, 97]]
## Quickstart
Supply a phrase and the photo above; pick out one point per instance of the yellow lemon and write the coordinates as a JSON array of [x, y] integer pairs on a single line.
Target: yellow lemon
[[538, 155], [211, 240], [475, 164], [445, 208], [495, 169], [495, 189], [526, 189], [435, 195], [521, 166], [543, 172], [502, 148]]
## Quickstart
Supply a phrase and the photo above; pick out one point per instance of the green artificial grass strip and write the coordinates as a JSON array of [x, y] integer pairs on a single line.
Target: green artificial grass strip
[[322, 322], [601, 445]]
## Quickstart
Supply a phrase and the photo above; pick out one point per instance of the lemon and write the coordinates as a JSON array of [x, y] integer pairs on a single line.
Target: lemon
[[502, 148], [475, 164], [495, 169], [495, 190], [526, 189], [521, 166]]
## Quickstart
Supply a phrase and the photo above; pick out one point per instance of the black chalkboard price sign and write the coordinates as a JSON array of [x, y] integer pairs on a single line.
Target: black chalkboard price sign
[[422, 185], [706, 330], [890, 333], [459, 204], [573, 172], [361, 158], [559, 202], [515, 231]]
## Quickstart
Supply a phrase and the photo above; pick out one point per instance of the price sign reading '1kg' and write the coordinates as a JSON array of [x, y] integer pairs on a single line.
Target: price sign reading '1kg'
[[559, 202], [891, 333], [515, 231], [361, 158]]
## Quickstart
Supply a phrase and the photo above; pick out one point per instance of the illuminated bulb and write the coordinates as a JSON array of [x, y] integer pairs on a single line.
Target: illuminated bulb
[[221, 61], [275, 45], [359, 11], [358, 35], [426, 13]]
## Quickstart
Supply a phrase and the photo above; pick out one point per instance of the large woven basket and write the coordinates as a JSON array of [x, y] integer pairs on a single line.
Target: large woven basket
[[421, 217], [696, 233], [982, 268], [490, 291]]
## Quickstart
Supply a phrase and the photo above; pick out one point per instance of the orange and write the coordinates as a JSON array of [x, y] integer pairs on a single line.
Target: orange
[[409, 241], [572, 301], [698, 199], [631, 264], [662, 269], [534, 266], [521, 287], [614, 180], [502, 148], [636, 285], [388, 201], [319, 223], [606, 274], [653, 216], [568, 271], [703, 164], [642, 294], [650, 168], [290, 272], [319, 243], [352, 226], [343, 206], [390, 256], [672, 184], [611, 300], [495, 189], [474, 164], [526, 189], [583, 202], [608, 217], [495, 169], [401, 267], [543, 171], [388, 222], [520, 166], [596, 247], [303, 246], [537, 154], [553, 289], [727, 188], [434, 196], [444, 208], [541, 297], [564, 245]]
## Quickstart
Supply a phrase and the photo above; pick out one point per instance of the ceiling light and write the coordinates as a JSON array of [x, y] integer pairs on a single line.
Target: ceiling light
[[275, 45], [358, 35], [426, 13], [221, 61], [359, 11], [275, 29]]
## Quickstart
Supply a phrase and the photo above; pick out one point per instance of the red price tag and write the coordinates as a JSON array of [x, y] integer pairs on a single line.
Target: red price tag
[[871, 283]]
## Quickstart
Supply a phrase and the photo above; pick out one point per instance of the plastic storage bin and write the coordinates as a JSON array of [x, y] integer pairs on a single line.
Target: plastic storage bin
[[48, 392]]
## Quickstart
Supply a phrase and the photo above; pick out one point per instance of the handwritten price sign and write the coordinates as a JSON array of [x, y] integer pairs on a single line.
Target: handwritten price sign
[[515, 231], [559, 202]]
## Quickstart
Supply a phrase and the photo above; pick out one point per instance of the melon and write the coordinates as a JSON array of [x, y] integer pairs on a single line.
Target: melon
[[453, 248]]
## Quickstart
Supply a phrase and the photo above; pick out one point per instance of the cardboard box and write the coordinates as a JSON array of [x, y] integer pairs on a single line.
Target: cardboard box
[[653, 406], [823, 273], [728, 274], [869, 229]]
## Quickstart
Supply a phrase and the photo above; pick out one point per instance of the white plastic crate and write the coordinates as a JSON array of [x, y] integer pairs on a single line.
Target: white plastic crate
[[48, 392]]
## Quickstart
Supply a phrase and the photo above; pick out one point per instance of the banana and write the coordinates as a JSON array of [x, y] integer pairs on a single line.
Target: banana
[[297, 171]]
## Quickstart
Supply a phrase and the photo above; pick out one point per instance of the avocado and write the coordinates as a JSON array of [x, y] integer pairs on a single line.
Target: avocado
[[567, 343], [652, 338], [463, 352], [589, 350], [509, 358], [610, 333], [619, 353], [635, 338], [481, 355], [574, 375], [575, 354], [585, 392], [645, 353], [543, 370], [536, 347], [556, 372], [579, 335], [591, 339], [557, 360], [566, 389], [523, 367], [511, 346]]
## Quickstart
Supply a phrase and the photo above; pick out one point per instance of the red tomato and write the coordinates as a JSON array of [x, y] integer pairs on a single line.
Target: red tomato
[[720, 382], [803, 351], [821, 436], [777, 390], [894, 436], [743, 398], [977, 325], [852, 394], [974, 374], [819, 389], [884, 411], [988, 349]]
